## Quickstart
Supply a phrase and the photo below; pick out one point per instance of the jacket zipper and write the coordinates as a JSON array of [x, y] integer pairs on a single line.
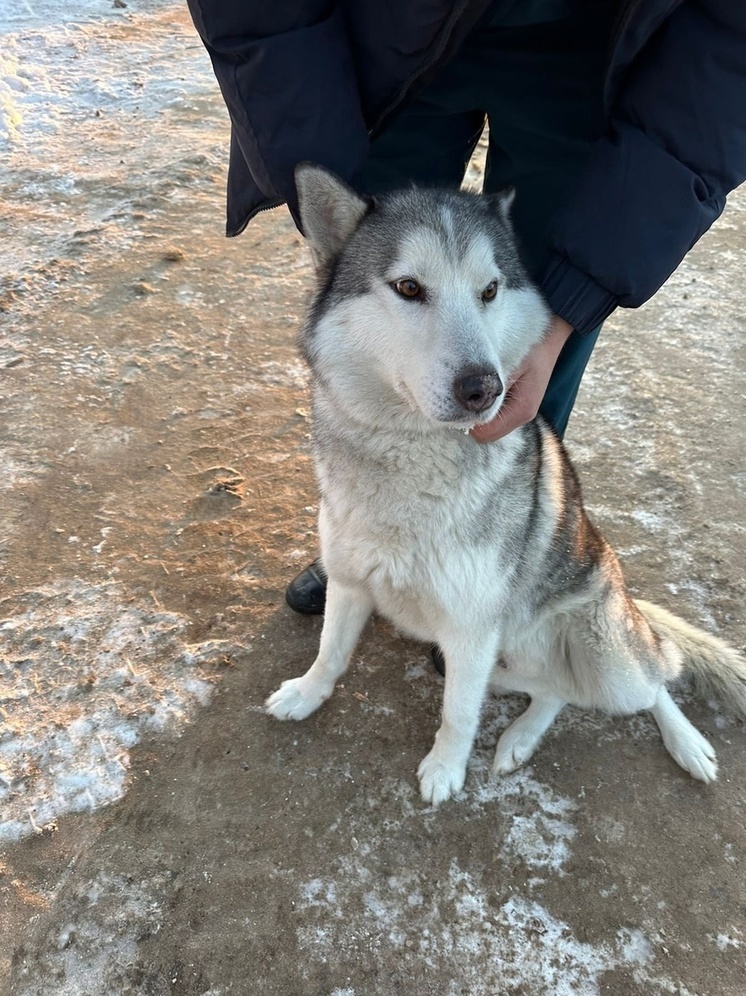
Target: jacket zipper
[[266, 205]]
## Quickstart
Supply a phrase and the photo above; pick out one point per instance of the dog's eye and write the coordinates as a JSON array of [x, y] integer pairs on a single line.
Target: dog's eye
[[408, 288], [490, 291]]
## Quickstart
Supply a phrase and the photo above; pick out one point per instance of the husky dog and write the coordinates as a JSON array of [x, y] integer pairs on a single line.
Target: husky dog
[[423, 312]]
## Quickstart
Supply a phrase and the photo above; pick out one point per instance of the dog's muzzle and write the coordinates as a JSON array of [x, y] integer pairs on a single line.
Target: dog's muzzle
[[476, 390]]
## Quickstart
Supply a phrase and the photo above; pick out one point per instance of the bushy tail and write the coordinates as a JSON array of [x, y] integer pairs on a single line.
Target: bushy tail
[[716, 669]]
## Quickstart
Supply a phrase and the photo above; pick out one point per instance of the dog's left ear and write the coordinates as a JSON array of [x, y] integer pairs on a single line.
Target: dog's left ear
[[330, 210], [502, 202]]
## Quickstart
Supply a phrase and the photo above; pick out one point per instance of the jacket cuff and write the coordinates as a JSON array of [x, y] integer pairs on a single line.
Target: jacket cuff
[[575, 296]]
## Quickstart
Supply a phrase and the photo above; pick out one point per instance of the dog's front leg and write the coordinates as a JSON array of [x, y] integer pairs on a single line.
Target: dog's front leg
[[469, 663], [346, 613]]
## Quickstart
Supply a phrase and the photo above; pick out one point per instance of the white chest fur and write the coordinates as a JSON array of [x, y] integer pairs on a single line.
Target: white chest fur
[[406, 518]]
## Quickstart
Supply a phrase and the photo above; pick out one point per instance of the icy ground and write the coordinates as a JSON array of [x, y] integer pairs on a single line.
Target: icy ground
[[159, 834], [87, 672], [71, 89]]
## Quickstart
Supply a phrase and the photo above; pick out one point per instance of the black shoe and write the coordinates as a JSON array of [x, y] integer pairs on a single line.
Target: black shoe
[[307, 593], [439, 661]]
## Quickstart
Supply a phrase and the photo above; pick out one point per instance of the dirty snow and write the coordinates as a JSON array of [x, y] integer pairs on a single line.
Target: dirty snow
[[95, 952], [85, 672], [498, 945], [52, 70]]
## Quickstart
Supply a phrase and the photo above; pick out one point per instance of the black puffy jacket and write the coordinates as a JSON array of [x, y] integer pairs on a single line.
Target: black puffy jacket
[[316, 79]]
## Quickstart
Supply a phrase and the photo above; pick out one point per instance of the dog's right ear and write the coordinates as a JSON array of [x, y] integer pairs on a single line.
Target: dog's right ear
[[502, 202], [330, 210]]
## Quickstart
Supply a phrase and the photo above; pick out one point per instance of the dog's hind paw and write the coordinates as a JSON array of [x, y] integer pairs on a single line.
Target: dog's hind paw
[[683, 741], [695, 754], [513, 750], [439, 779], [295, 699]]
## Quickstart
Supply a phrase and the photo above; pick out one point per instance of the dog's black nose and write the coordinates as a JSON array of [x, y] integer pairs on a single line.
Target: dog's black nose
[[477, 390]]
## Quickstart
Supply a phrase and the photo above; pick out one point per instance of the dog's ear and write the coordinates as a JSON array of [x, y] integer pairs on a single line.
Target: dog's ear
[[330, 210], [502, 202]]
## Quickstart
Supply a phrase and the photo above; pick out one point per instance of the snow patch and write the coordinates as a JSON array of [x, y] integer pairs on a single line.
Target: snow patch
[[725, 941], [75, 85], [95, 948], [540, 835], [49, 71], [292, 374], [497, 945], [82, 677]]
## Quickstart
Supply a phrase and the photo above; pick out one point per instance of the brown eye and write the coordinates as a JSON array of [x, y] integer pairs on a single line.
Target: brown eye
[[490, 291], [408, 288]]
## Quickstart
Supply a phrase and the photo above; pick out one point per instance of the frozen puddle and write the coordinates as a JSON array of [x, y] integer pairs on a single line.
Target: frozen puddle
[[83, 675]]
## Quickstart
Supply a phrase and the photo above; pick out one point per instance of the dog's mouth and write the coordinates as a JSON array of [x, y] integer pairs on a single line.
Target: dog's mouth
[[448, 415], [468, 421], [490, 413]]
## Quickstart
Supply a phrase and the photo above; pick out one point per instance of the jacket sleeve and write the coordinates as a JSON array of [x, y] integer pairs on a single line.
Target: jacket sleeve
[[287, 77], [659, 179]]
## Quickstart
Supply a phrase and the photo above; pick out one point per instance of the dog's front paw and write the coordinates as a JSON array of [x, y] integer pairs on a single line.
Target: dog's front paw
[[439, 778], [295, 699]]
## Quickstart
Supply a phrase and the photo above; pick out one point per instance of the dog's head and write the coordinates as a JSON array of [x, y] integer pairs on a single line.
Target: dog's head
[[422, 298]]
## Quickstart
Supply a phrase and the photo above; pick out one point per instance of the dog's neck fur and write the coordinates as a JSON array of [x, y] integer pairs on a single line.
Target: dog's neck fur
[[407, 450]]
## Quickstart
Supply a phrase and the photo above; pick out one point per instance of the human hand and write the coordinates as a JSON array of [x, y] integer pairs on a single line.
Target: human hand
[[527, 386]]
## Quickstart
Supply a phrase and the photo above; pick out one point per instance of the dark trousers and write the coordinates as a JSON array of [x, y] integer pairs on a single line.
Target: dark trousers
[[540, 88]]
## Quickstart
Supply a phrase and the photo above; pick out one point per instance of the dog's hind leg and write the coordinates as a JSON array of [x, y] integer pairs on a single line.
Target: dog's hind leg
[[522, 737], [347, 611], [684, 743], [469, 664]]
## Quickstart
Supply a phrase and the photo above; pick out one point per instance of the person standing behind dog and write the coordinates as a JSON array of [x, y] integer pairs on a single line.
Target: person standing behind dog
[[621, 124]]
